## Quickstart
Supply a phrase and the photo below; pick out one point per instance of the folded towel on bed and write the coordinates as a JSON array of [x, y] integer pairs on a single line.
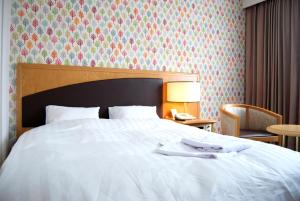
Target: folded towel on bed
[[181, 149], [214, 145]]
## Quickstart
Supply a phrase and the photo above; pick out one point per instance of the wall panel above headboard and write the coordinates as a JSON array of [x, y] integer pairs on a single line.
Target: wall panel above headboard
[[34, 78]]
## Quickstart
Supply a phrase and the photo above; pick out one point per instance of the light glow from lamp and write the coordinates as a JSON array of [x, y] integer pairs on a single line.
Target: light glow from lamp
[[183, 92]]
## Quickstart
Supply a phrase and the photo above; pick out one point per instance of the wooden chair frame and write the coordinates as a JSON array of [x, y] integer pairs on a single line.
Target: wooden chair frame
[[236, 118]]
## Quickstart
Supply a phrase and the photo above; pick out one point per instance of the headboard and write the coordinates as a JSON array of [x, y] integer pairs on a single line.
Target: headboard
[[103, 93], [39, 85]]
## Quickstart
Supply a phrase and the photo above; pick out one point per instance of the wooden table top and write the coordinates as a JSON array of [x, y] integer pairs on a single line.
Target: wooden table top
[[198, 121], [194, 121], [285, 129]]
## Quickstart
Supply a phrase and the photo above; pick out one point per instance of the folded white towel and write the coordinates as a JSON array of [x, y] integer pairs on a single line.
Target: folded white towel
[[215, 145], [180, 149]]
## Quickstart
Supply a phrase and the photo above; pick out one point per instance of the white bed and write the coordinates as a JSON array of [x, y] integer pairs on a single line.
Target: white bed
[[114, 160]]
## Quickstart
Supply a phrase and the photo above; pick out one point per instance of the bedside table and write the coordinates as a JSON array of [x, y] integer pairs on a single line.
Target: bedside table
[[206, 124]]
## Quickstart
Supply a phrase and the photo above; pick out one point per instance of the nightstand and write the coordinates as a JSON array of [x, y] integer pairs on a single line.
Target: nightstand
[[206, 124]]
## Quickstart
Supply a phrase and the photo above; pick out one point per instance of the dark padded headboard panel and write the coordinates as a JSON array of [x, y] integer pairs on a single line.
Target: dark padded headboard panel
[[103, 93]]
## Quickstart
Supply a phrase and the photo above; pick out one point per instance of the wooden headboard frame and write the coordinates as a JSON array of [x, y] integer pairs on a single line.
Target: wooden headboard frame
[[33, 78]]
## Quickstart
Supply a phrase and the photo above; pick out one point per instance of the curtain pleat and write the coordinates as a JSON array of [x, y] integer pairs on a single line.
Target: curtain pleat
[[273, 57]]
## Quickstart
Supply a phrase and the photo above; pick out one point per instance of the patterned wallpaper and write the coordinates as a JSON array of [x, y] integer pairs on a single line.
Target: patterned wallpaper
[[205, 36]]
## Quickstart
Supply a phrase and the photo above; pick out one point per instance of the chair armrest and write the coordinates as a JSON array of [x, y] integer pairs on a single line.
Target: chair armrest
[[260, 118], [268, 112], [230, 123]]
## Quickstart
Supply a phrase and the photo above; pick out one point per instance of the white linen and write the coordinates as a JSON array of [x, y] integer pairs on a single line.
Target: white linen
[[221, 145], [113, 160], [133, 112], [181, 149], [56, 113]]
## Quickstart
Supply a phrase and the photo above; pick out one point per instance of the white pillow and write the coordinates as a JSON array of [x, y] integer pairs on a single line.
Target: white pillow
[[133, 112], [59, 113]]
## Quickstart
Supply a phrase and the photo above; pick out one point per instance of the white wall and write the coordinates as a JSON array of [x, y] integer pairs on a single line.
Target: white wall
[[4, 76], [248, 3]]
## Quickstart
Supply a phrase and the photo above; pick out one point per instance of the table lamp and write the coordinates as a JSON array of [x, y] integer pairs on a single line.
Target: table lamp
[[183, 92]]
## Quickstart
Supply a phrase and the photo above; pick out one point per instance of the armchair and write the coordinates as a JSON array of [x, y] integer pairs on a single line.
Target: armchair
[[247, 121]]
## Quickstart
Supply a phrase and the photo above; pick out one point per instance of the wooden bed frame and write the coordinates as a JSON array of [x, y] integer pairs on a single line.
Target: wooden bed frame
[[34, 78]]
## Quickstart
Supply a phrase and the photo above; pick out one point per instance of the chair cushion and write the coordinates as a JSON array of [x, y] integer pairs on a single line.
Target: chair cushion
[[253, 133]]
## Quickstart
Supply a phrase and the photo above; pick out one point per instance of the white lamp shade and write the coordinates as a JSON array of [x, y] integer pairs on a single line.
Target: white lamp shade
[[183, 91]]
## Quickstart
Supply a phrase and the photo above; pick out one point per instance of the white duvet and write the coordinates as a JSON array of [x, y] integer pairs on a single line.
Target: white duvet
[[114, 160]]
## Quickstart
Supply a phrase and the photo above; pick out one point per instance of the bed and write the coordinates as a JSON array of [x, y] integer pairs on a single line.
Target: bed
[[114, 159]]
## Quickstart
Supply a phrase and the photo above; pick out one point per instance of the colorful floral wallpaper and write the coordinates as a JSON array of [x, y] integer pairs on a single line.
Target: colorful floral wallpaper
[[205, 36]]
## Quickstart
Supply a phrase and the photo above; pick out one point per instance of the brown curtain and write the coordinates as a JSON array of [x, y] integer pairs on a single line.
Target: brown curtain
[[273, 57]]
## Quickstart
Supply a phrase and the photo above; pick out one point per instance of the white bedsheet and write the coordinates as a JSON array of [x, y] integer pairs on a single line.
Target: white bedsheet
[[114, 160]]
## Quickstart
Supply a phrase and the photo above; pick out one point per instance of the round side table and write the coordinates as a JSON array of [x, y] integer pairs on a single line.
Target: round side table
[[286, 130]]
